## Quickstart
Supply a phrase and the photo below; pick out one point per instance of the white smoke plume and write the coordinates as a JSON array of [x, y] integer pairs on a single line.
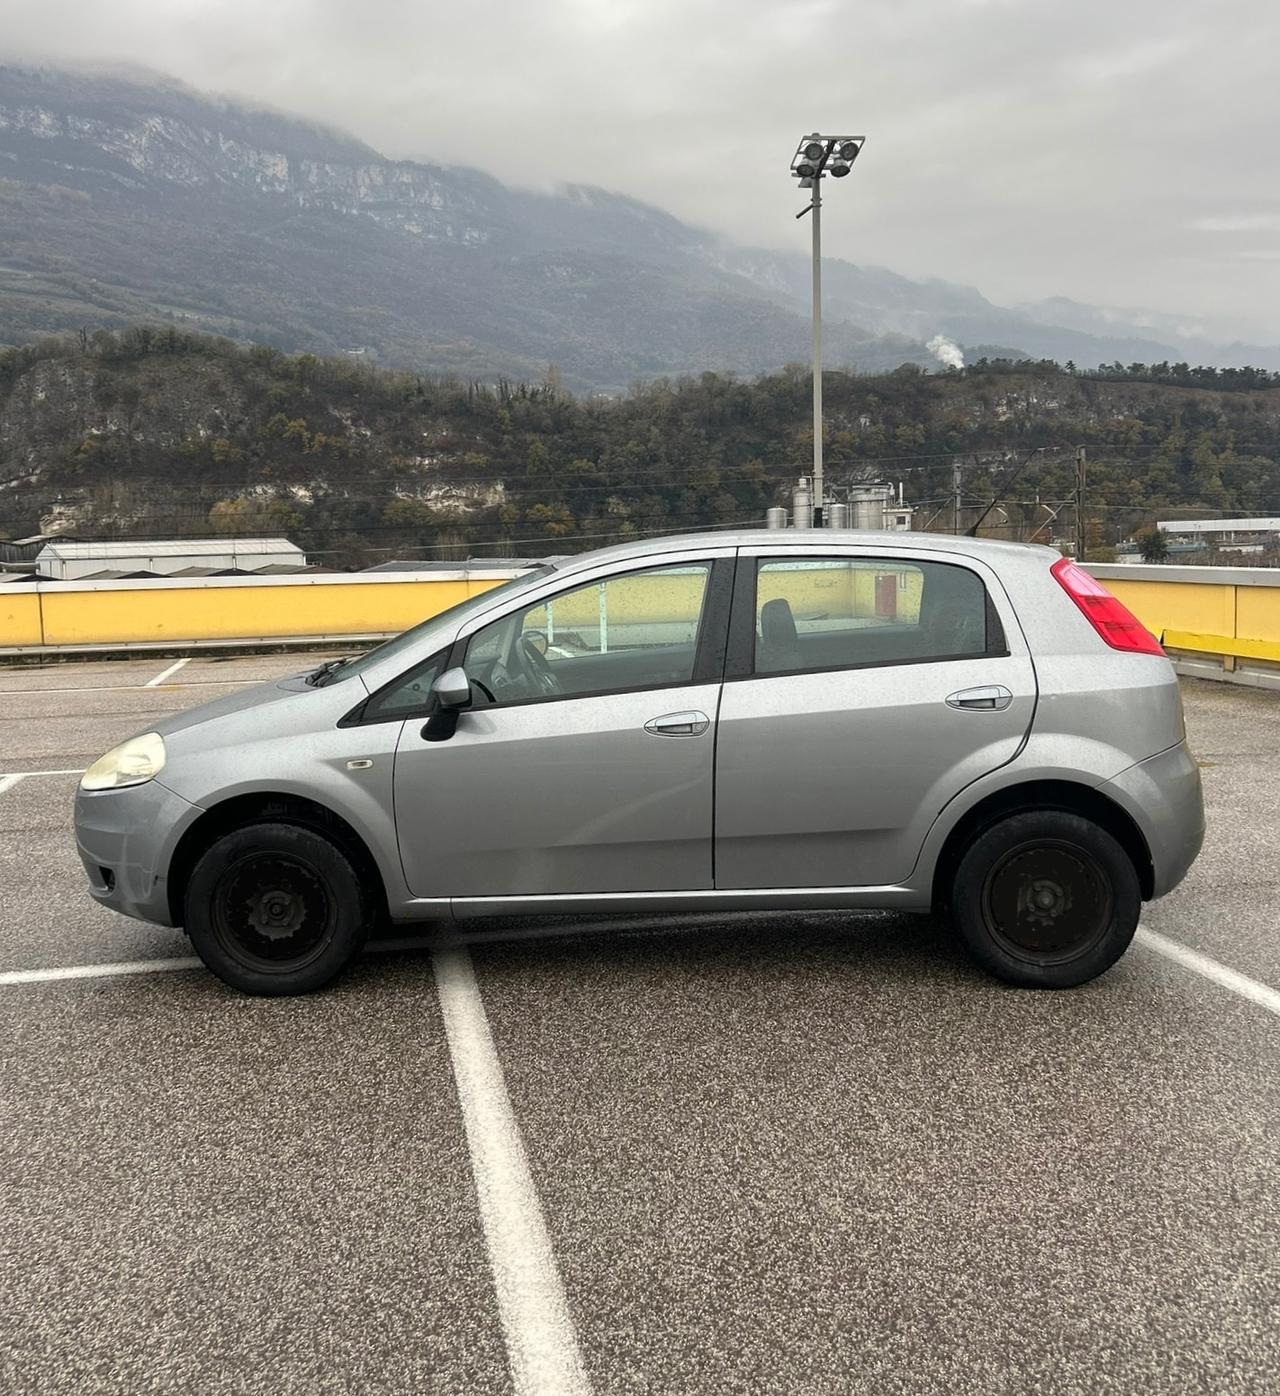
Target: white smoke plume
[[946, 351]]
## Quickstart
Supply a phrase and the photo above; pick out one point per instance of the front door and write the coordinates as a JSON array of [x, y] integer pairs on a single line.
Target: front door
[[862, 693], [586, 763]]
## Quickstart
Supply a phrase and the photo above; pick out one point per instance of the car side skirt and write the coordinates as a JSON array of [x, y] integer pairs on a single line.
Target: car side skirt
[[896, 898]]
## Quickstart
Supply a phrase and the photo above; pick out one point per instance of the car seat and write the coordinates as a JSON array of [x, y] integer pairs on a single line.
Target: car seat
[[779, 646]]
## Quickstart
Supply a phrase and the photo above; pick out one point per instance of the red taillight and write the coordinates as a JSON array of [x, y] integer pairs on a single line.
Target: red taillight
[[1117, 625]]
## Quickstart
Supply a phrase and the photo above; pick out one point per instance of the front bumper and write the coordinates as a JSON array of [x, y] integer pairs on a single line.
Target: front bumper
[[126, 839], [1163, 795]]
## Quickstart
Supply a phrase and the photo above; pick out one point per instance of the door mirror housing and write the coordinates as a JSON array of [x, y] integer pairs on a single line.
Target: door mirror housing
[[452, 689]]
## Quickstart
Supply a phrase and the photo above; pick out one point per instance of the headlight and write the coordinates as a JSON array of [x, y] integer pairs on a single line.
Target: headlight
[[131, 763]]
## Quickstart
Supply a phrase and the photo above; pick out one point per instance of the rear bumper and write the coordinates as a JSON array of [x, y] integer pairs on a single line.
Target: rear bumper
[[1163, 795], [125, 839]]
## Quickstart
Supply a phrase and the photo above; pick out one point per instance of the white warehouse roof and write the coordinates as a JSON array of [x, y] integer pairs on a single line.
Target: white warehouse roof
[[1221, 526], [66, 562], [175, 547]]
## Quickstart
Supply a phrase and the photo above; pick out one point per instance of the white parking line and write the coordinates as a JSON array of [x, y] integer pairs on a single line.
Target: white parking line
[[1261, 994], [8, 782], [172, 669], [13, 776], [110, 969], [127, 687], [542, 1347], [44, 976]]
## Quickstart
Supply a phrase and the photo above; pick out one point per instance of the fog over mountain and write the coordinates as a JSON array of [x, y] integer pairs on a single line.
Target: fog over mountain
[[130, 197]]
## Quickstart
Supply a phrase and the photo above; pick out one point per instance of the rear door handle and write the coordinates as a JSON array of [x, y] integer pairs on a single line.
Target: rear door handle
[[690, 724], [993, 698]]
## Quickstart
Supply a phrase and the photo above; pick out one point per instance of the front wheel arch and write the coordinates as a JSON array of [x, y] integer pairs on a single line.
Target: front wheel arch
[[1061, 795], [274, 808]]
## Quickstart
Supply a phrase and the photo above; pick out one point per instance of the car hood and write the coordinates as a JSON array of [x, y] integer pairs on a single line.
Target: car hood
[[295, 692]]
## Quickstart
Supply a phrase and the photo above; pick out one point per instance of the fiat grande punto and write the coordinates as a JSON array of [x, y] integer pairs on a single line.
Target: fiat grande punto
[[727, 721]]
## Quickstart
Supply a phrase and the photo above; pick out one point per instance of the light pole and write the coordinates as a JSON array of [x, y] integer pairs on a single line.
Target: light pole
[[816, 157]]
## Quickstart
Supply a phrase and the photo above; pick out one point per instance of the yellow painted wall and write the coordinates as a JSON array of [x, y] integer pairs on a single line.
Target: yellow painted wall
[[673, 596], [643, 599], [1207, 608], [1206, 617], [1258, 613], [840, 592], [269, 609], [19, 617]]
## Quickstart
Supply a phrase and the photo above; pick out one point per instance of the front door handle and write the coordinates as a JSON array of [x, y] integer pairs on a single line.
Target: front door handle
[[690, 724], [993, 698]]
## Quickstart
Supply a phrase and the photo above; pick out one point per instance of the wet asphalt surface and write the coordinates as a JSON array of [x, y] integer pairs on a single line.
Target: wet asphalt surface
[[791, 1154]]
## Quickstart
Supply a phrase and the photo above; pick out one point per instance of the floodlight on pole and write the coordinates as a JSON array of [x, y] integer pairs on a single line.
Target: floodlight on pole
[[818, 155]]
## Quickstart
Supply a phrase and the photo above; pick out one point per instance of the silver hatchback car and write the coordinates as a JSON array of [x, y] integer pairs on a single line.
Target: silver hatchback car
[[723, 721]]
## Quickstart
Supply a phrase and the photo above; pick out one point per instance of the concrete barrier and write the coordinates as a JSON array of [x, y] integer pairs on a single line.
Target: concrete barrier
[[1215, 622], [80, 617]]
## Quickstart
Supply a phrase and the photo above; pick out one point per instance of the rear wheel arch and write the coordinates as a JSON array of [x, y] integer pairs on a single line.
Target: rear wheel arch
[[1065, 795], [261, 808]]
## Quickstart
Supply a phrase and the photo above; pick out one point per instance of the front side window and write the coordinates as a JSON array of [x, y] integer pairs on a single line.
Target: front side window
[[407, 696], [633, 631], [836, 613]]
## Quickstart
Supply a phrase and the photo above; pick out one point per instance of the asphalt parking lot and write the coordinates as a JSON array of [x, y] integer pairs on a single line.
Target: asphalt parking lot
[[794, 1154]]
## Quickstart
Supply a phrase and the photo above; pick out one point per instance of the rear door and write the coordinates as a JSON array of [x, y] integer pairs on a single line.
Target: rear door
[[863, 691]]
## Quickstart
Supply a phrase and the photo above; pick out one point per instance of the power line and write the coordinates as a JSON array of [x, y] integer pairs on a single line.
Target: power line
[[1005, 452], [666, 474], [463, 527], [541, 541], [329, 492]]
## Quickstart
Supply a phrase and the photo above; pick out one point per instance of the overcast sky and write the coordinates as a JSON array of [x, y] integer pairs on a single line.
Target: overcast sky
[[1122, 152]]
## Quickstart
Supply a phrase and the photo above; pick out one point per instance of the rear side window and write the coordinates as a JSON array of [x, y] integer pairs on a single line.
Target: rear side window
[[842, 613]]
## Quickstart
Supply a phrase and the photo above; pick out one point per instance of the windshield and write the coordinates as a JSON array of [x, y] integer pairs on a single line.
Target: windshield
[[348, 668]]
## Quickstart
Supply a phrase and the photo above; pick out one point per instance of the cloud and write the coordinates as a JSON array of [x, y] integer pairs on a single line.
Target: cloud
[[1030, 148], [1239, 223], [1129, 61]]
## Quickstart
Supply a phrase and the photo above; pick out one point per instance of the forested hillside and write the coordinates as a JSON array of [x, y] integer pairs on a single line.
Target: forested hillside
[[153, 432]]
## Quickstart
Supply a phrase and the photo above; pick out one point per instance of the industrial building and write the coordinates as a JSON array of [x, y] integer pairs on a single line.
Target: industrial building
[[877, 507], [1225, 535], [67, 561]]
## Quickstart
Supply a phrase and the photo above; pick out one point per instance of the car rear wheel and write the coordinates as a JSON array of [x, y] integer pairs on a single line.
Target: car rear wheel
[[276, 909], [1046, 899]]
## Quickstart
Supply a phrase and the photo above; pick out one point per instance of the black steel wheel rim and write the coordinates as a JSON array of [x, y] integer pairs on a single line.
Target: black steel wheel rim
[[1047, 901], [273, 912]]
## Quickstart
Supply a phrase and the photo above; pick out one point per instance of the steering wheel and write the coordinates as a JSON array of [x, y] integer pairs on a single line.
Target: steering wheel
[[536, 666]]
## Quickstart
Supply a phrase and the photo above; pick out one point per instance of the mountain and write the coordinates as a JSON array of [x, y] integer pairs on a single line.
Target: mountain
[[130, 198]]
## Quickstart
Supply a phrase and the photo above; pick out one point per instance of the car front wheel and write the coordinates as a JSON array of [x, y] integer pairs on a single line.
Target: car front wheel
[[1046, 899], [276, 908]]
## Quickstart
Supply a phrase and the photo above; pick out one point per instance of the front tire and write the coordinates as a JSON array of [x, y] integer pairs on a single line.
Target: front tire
[[276, 908], [1046, 899]]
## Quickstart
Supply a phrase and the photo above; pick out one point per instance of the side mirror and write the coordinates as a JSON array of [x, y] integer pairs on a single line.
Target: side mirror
[[452, 689]]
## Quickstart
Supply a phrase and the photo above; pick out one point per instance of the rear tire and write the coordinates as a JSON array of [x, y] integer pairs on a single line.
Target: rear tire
[[276, 908], [1046, 899]]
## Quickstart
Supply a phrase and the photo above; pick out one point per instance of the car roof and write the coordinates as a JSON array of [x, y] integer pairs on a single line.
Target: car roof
[[991, 550]]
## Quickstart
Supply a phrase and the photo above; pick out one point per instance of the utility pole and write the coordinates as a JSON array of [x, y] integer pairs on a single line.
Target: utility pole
[[1081, 529], [819, 498], [955, 497]]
